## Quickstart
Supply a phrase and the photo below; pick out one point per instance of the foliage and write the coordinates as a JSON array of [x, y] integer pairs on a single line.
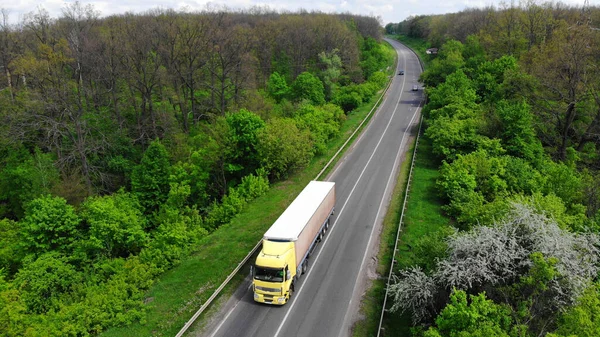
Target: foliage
[[277, 87], [525, 261], [331, 71], [49, 224], [475, 316], [101, 124], [244, 127], [583, 319], [284, 148], [373, 57], [115, 225], [322, 122], [449, 61], [348, 98], [12, 310], [516, 131], [308, 87], [250, 188], [150, 179], [24, 177], [11, 251], [44, 280]]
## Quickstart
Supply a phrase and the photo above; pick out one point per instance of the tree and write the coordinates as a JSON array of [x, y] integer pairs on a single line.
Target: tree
[[583, 319], [277, 87], [525, 261], [11, 251], [475, 316], [49, 224], [44, 280], [309, 87], [457, 88], [24, 177], [13, 317], [115, 225], [562, 67], [150, 179], [283, 148], [331, 69], [449, 60], [323, 122], [517, 132], [244, 128]]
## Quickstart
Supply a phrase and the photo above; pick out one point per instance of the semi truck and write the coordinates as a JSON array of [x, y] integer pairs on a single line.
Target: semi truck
[[289, 242]]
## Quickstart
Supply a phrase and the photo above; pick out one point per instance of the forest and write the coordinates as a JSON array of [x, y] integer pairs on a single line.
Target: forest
[[513, 118], [126, 139]]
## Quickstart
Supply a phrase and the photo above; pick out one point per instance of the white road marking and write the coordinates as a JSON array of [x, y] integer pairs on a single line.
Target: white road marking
[[229, 313], [398, 155], [293, 302]]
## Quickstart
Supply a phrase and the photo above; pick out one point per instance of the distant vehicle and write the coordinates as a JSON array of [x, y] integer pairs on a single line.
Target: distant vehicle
[[401, 72], [415, 88], [290, 241]]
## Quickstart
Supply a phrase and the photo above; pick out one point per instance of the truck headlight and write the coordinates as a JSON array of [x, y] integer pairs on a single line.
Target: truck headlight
[[256, 296], [280, 300]]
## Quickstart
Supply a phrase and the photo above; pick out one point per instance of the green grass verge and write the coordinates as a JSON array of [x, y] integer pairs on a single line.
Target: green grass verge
[[178, 293], [423, 216]]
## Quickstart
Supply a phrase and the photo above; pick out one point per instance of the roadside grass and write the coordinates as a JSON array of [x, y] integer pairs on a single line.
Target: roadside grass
[[179, 292], [423, 216]]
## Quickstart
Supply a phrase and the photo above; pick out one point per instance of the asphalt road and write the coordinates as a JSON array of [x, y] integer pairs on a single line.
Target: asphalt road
[[327, 297]]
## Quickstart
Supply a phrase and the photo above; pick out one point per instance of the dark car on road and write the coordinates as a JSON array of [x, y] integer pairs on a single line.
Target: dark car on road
[[401, 72]]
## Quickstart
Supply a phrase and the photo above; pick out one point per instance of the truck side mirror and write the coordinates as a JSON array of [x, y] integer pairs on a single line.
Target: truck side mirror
[[251, 271], [288, 275]]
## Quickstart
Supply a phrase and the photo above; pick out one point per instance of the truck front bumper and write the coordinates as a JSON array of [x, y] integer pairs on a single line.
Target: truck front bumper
[[270, 299]]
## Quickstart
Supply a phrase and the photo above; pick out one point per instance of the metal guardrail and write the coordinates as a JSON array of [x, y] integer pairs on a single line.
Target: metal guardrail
[[241, 264], [412, 164]]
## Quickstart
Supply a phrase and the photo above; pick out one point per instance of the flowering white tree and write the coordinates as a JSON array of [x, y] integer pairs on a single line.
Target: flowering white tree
[[526, 257]]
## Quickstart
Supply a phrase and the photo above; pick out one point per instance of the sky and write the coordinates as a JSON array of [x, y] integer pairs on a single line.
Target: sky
[[387, 10]]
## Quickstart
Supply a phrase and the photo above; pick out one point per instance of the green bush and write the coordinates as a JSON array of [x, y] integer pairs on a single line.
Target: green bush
[[277, 87], [49, 225], [115, 225], [45, 281], [251, 187], [283, 147], [323, 122], [150, 179], [308, 87]]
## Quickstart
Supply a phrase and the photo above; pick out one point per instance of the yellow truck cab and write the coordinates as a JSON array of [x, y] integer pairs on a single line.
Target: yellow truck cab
[[287, 244], [273, 277]]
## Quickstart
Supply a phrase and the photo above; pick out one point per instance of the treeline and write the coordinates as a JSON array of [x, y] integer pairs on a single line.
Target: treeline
[[515, 128], [125, 140]]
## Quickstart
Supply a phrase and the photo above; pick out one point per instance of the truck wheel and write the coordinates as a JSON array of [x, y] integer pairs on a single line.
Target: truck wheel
[[304, 266], [326, 226]]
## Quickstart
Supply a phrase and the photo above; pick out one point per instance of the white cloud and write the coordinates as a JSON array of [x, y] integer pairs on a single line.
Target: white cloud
[[388, 10]]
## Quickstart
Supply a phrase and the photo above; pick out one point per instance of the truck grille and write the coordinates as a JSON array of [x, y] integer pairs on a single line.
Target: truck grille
[[269, 290]]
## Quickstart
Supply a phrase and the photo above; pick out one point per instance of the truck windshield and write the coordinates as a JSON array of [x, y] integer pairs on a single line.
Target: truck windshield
[[268, 274]]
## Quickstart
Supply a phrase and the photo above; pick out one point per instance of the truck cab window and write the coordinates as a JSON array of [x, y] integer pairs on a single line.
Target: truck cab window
[[268, 274]]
